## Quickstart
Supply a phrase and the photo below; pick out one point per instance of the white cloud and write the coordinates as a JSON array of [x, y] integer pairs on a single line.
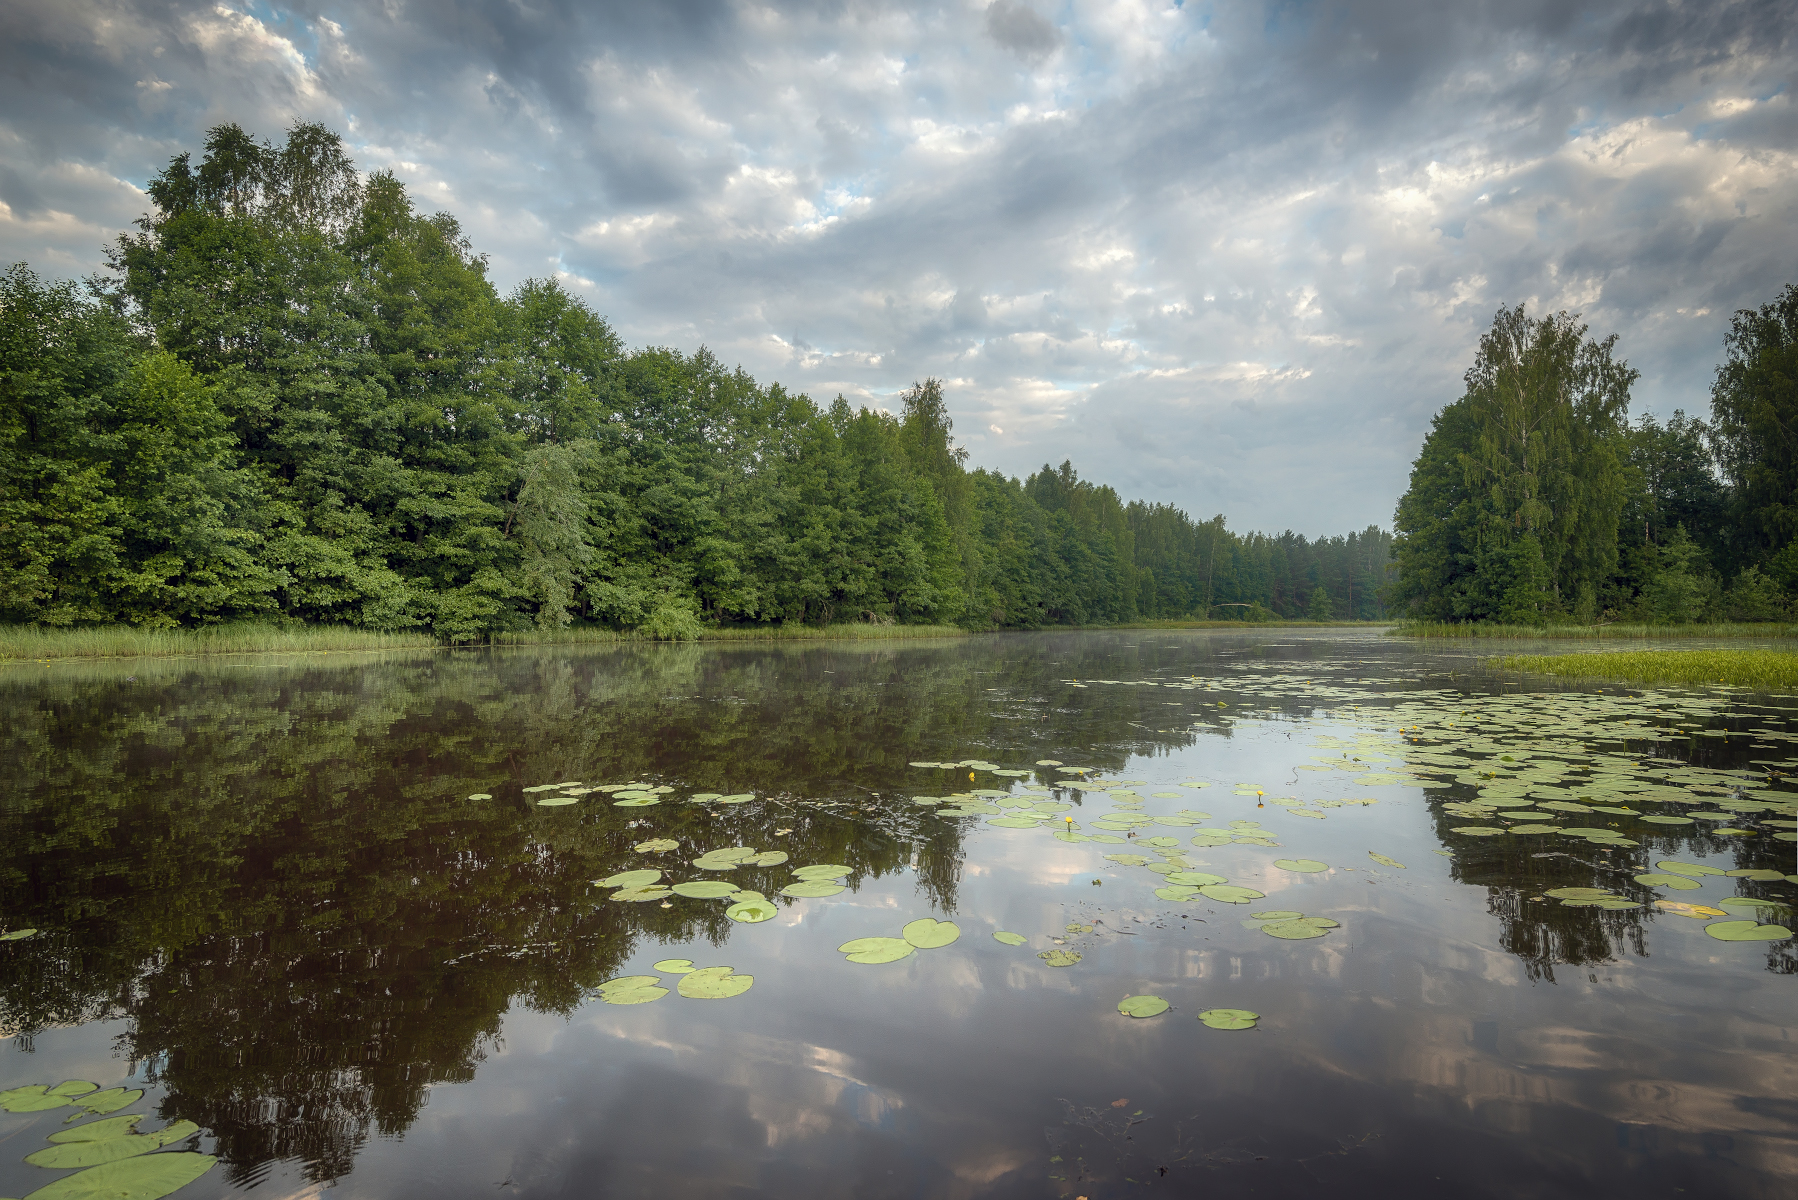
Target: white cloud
[[1231, 259]]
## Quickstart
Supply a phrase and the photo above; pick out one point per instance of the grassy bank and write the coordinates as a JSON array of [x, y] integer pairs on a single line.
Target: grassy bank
[[1767, 670], [34, 643], [1433, 629]]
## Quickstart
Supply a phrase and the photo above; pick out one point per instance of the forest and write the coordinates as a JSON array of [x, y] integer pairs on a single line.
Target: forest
[[1536, 501], [297, 398]]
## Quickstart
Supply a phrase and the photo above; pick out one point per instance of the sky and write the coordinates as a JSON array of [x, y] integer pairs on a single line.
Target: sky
[[1227, 256]]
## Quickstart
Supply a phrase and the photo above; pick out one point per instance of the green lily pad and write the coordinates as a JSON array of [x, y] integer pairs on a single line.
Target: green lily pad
[[1229, 1018], [1142, 1006], [1012, 822], [822, 871], [636, 995], [1009, 938], [1477, 830], [812, 889], [625, 983], [1384, 861], [1695, 870], [1060, 958], [33, 1097], [114, 1149], [481, 796], [1278, 914], [1107, 838], [704, 889], [1292, 930], [563, 801], [18, 935], [1229, 893], [738, 798], [1211, 838], [1127, 860], [96, 1104], [74, 1087], [675, 966], [1577, 893], [1754, 906], [1758, 875], [98, 1131], [1308, 866], [656, 846], [1196, 878], [877, 949], [1179, 891], [641, 895], [767, 858], [1676, 882], [630, 879], [1161, 843], [928, 933], [714, 983], [1746, 931], [752, 912], [149, 1177]]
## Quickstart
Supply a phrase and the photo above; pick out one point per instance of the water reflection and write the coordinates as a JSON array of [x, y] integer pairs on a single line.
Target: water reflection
[[273, 876]]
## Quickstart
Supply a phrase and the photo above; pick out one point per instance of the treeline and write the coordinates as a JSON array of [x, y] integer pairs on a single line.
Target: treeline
[[1535, 500], [297, 397]]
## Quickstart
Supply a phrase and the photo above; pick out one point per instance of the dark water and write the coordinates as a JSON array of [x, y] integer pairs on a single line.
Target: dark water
[[265, 897]]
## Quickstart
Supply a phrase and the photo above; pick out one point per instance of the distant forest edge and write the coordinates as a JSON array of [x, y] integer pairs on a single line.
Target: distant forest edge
[[1535, 502], [296, 398]]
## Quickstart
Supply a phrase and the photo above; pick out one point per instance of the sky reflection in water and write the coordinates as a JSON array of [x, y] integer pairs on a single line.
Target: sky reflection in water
[[265, 896]]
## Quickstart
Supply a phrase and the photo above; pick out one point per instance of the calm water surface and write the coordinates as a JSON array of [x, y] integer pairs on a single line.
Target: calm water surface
[[307, 904]]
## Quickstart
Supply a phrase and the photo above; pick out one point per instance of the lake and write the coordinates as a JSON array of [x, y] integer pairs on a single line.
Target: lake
[[344, 914]]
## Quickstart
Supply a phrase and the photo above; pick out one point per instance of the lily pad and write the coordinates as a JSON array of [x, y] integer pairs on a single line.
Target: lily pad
[[1127, 860], [1292, 930], [1278, 914], [1477, 830], [1060, 958], [1142, 1006], [704, 889], [1753, 906], [822, 871], [1384, 861], [1697, 912], [112, 1100], [643, 994], [563, 801], [641, 895], [1677, 882], [18, 935], [630, 879], [1308, 866], [928, 933], [812, 889], [1229, 893], [1758, 875], [714, 983], [767, 858], [656, 846], [114, 1149], [752, 912], [1196, 878], [675, 966], [149, 1177], [1006, 936], [1695, 870], [1177, 892], [877, 949], [1229, 1018], [98, 1131], [1746, 931], [1012, 822], [1660, 819], [1161, 843]]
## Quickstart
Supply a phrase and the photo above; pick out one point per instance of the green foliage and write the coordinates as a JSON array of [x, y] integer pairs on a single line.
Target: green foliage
[[1533, 502], [301, 399]]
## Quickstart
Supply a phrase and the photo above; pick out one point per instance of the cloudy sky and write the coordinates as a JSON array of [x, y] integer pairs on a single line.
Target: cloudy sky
[[1230, 256]]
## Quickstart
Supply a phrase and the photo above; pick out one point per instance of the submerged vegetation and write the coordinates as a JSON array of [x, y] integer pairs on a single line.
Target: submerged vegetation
[[1765, 670], [299, 398]]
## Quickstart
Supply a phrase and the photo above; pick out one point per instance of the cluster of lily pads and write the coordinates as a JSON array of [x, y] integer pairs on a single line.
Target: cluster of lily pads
[[1142, 1007], [695, 983], [637, 794], [1684, 876], [926, 933], [109, 1157]]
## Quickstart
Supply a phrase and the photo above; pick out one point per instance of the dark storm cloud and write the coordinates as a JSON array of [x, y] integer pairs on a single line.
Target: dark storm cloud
[[1231, 256]]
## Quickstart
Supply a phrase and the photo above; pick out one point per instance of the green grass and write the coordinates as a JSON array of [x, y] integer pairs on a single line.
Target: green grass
[[1435, 629], [1281, 623], [1764, 670], [856, 632], [30, 643], [36, 643]]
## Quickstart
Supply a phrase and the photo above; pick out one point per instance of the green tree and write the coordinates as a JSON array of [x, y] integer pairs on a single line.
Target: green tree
[[1754, 425]]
